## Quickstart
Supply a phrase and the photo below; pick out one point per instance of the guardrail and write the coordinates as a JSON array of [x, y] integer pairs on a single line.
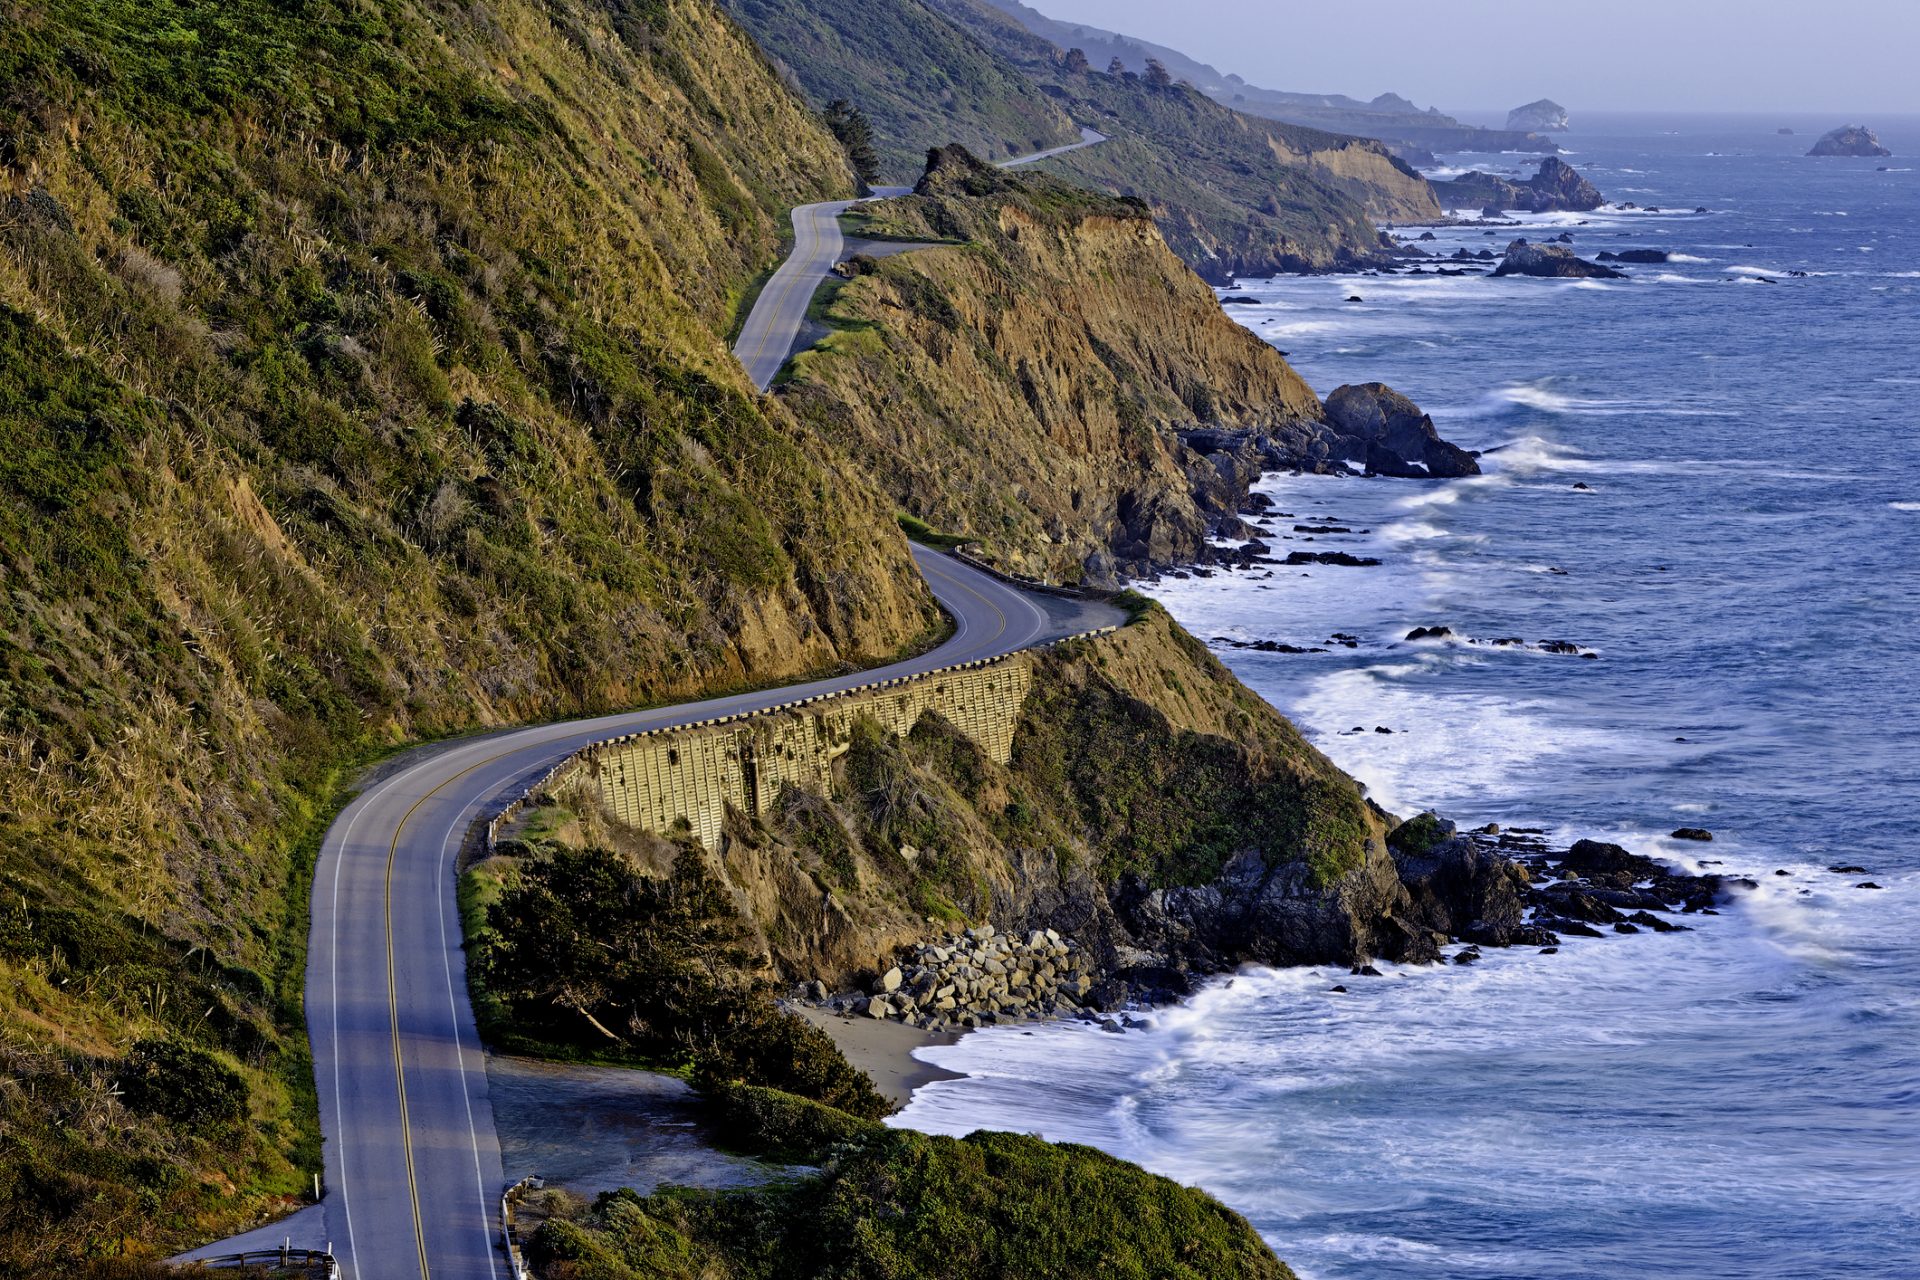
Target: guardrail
[[964, 554], [314, 1262], [512, 807], [509, 1230]]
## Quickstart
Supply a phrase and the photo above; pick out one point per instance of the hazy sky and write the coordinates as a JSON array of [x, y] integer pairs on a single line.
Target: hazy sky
[[1848, 58]]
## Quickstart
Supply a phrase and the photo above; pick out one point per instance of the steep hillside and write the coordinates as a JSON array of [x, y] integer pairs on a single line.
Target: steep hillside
[[1387, 116], [361, 379], [1137, 759], [1023, 388], [1235, 194], [921, 82]]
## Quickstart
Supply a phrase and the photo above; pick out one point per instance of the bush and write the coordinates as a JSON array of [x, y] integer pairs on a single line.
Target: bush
[[780, 1126], [588, 952], [890, 1204], [181, 1083]]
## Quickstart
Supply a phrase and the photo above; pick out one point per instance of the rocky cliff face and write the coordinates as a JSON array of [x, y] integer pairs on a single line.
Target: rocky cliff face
[[1387, 186], [361, 378], [1025, 388]]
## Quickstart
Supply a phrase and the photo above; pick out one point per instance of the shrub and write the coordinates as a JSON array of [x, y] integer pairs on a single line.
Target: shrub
[[591, 953], [181, 1083]]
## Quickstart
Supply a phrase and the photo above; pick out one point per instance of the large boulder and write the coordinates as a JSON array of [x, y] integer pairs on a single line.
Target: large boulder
[[1553, 261], [1559, 186], [1849, 140], [1393, 435], [1463, 890], [1556, 188], [1544, 116]]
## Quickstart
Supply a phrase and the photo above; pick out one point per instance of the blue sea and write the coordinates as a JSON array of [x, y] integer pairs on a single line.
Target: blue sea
[[1739, 1101]]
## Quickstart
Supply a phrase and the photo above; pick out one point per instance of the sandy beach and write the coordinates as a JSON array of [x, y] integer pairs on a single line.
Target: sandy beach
[[883, 1049]]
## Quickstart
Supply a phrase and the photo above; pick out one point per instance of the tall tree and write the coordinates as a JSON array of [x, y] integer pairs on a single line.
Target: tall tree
[[1076, 62], [855, 132], [1157, 75]]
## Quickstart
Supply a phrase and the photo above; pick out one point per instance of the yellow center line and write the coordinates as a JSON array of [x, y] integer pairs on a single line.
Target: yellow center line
[[393, 1007], [779, 303], [393, 988]]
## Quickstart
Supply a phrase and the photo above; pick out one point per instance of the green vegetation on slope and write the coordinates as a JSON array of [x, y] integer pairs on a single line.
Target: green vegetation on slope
[[922, 82], [360, 380], [1023, 389], [907, 1206], [583, 950], [1137, 754], [1235, 195]]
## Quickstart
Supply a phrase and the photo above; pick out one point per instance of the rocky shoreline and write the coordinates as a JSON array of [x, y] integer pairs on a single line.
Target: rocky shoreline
[[1436, 888]]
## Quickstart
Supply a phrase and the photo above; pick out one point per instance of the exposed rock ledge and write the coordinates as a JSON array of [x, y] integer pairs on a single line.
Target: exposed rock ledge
[[1369, 429], [1430, 889], [1554, 261], [1556, 188]]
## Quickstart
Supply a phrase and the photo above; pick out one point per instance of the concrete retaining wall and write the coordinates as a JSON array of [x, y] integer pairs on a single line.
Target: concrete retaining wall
[[658, 778]]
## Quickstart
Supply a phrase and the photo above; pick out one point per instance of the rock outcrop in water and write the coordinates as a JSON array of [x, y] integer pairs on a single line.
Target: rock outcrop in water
[[1544, 116], [1400, 440], [1370, 429], [1553, 261], [1556, 188], [1850, 140]]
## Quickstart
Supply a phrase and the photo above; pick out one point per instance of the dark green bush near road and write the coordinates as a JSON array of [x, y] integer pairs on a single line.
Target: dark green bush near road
[[897, 1205], [586, 951], [181, 1083]]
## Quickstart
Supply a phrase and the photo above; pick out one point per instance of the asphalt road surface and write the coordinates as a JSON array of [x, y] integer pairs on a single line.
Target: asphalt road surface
[[773, 326], [413, 1166], [413, 1169]]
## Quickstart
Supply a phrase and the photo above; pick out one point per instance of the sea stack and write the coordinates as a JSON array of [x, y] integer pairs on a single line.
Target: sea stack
[[1849, 140], [1544, 116], [1552, 261]]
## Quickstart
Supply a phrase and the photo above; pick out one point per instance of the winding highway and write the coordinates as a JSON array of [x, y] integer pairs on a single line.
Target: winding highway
[[413, 1167], [767, 338]]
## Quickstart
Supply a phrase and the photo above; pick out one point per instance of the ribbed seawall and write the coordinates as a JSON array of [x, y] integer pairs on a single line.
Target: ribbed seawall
[[654, 781]]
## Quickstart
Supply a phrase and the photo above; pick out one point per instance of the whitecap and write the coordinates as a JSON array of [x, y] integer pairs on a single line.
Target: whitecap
[[1905, 506]]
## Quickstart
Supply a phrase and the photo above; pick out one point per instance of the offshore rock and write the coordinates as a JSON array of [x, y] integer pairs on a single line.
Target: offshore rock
[[1552, 261], [1850, 140], [1399, 440], [1556, 188], [1544, 116]]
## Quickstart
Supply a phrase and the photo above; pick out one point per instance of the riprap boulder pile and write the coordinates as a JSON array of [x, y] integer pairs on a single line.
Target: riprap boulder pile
[[979, 977]]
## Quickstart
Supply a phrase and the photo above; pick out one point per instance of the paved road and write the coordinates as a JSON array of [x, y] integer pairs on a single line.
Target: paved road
[[412, 1162], [773, 326], [413, 1169]]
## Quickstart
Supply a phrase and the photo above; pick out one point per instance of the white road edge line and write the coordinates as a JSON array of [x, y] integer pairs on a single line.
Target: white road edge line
[[333, 994], [460, 1049]]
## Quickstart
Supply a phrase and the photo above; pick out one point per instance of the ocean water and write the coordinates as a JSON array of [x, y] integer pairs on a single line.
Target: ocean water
[[1741, 1100]]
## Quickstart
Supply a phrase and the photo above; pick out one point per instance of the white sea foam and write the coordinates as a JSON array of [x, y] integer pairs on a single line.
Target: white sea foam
[[1686, 257], [1905, 506]]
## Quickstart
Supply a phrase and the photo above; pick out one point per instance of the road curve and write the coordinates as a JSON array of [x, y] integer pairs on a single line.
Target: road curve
[[773, 326], [412, 1161], [413, 1167]]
